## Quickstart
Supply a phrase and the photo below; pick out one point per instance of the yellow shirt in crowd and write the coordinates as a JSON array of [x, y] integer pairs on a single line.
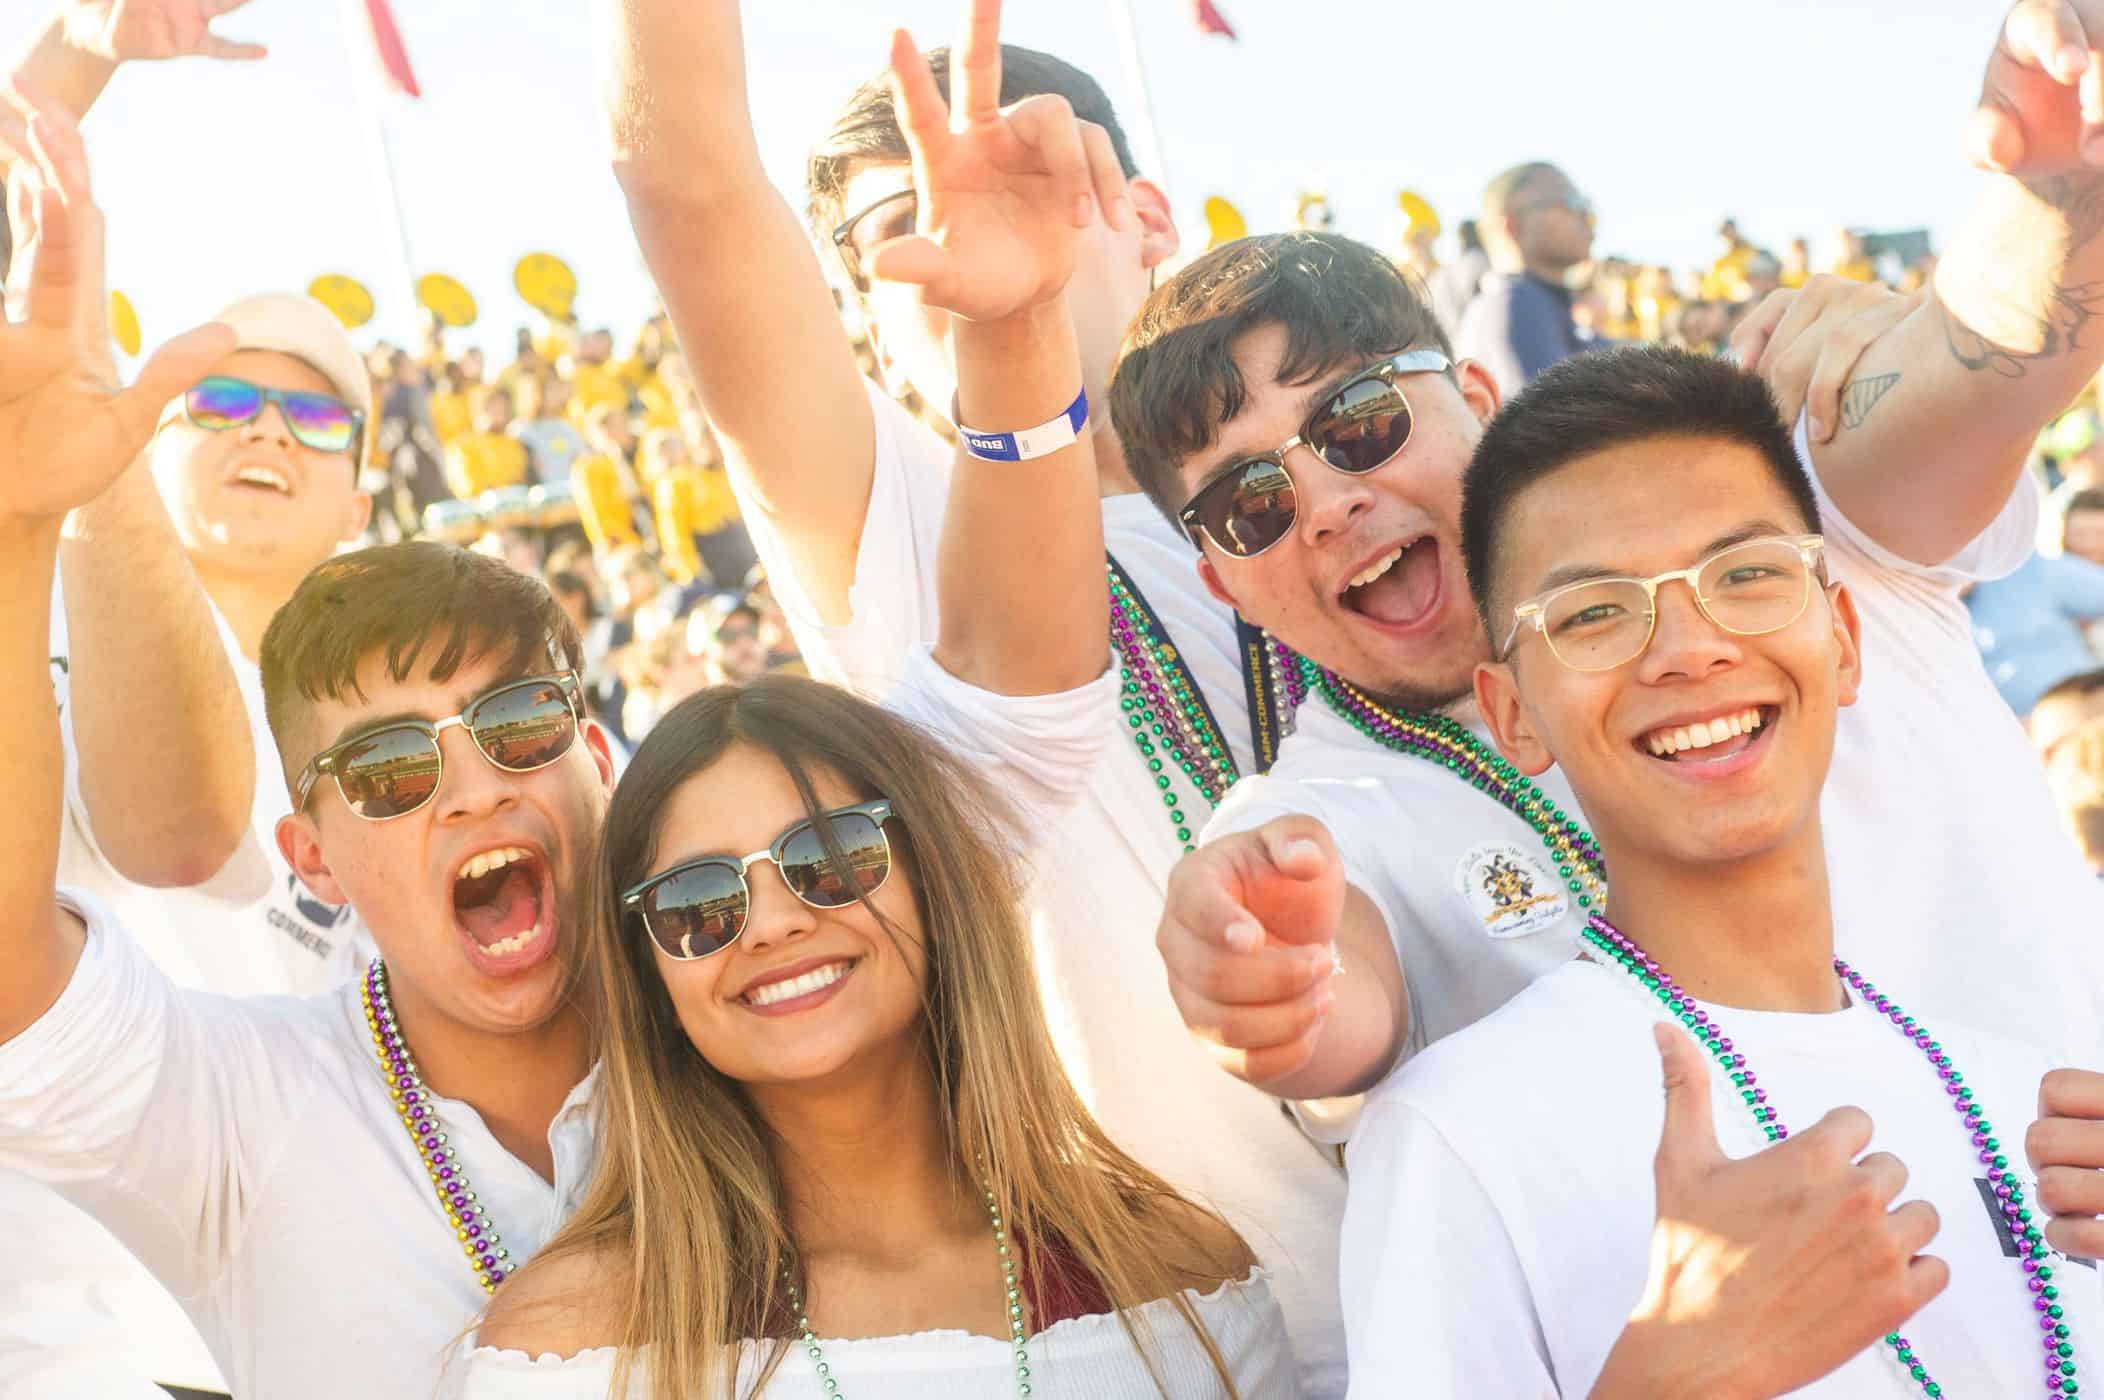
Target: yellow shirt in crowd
[[451, 416], [592, 385], [481, 462]]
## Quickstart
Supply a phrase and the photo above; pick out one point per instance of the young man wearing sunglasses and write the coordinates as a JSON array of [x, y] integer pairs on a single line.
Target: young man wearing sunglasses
[[367, 1164]]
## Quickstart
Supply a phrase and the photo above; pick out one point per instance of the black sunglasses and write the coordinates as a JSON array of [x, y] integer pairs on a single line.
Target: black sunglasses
[[1251, 504], [898, 215], [392, 770], [700, 906]]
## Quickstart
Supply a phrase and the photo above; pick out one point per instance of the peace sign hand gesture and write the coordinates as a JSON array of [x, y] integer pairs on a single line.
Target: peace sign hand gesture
[[1005, 193], [67, 427]]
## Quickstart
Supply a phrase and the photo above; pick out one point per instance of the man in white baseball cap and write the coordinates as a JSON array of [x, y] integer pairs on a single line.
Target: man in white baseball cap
[[256, 464]]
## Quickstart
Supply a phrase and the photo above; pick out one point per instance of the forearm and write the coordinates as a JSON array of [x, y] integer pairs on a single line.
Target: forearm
[[55, 63], [1363, 1036], [38, 945], [167, 759], [1025, 606], [754, 315], [1941, 413]]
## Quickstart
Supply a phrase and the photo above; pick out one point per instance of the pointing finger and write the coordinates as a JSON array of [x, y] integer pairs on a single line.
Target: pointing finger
[[975, 67]]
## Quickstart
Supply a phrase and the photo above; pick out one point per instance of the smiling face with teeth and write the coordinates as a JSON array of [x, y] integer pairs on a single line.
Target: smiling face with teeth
[[804, 993], [254, 501], [1710, 746], [1369, 582]]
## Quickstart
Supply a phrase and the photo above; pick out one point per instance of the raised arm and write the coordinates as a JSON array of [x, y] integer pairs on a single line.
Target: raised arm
[[1936, 422], [72, 55], [66, 432], [1005, 197], [754, 314]]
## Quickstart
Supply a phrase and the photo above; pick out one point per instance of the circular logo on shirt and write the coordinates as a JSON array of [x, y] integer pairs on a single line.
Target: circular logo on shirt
[[1510, 890]]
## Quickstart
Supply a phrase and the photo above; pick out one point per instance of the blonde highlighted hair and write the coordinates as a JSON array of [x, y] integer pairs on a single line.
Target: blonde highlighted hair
[[685, 1214]]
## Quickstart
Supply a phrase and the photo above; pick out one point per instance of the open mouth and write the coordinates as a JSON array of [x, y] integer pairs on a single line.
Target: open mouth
[[1713, 740], [1399, 588], [806, 988], [503, 902], [259, 478]]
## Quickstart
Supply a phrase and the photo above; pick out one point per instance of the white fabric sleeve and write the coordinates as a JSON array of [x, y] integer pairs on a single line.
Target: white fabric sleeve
[[1996, 552], [1435, 1301], [892, 602], [1035, 751], [147, 1106]]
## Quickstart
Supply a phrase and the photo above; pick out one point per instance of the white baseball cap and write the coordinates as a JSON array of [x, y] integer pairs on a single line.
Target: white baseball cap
[[302, 327]]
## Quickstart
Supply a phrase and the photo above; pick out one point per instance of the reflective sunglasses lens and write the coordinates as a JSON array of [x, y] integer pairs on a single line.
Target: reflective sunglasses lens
[[1758, 587], [817, 881], [322, 423], [219, 403], [696, 912], [388, 773], [524, 727], [1248, 511], [1599, 625], [1363, 427]]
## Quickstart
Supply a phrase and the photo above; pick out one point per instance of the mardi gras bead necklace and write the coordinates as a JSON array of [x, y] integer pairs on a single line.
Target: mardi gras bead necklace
[[486, 1253], [1447, 742], [2038, 1273], [1017, 1330]]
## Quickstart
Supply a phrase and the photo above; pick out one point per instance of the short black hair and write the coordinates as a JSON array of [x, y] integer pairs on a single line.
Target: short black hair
[[867, 127], [1176, 383], [1610, 398]]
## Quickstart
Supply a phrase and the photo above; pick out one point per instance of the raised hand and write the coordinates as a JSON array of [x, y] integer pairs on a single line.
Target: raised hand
[[1806, 343], [2066, 1150], [1798, 1241], [124, 31], [1005, 193], [1249, 940], [2041, 109], [67, 427]]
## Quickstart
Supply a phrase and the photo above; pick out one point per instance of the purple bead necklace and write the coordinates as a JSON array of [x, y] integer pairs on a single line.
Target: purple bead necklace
[[486, 1253], [2034, 1255]]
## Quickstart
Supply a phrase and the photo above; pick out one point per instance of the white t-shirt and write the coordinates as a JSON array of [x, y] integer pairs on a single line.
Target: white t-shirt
[[1080, 1358], [1498, 1232], [1103, 876], [247, 1152], [1939, 828], [78, 1314]]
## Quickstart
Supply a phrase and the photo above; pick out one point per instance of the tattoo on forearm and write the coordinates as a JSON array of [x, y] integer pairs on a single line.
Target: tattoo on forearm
[[2069, 316], [1859, 396]]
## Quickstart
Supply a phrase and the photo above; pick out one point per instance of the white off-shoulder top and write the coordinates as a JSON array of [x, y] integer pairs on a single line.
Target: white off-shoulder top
[[1081, 1358]]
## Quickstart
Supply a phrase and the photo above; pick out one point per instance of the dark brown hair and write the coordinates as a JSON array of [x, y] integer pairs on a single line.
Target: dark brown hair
[[1606, 399], [399, 600], [1176, 384], [867, 129]]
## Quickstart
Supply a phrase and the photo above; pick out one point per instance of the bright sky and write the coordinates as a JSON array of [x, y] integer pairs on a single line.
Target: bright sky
[[1797, 116]]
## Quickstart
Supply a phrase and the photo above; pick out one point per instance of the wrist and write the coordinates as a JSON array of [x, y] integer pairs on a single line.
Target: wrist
[[1654, 1360], [1019, 371]]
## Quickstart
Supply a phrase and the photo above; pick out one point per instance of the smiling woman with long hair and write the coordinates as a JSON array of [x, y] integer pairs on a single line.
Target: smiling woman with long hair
[[837, 1148]]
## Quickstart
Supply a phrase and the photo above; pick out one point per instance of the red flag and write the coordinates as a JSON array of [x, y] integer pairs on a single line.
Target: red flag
[[1210, 20], [387, 46]]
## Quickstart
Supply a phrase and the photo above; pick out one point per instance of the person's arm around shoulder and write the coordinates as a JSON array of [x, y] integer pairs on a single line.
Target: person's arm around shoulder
[[1935, 423], [66, 432], [1285, 972], [754, 315]]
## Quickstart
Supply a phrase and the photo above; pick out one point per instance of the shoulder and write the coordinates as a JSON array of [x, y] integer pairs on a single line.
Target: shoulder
[[558, 1305]]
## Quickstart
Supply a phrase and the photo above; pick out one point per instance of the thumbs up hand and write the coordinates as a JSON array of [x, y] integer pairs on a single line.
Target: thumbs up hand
[[1798, 1241]]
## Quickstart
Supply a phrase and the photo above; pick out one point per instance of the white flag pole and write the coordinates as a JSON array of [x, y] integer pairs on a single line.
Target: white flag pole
[[1139, 102], [367, 91]]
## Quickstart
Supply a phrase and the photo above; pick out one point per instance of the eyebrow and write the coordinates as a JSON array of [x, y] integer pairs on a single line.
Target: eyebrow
[[1312, 400], [1586, 573], [357, 728]]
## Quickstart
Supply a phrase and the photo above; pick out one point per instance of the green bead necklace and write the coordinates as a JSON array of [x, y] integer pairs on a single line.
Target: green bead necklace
[[1448, 743], [1016, 1327], [1171, 725]]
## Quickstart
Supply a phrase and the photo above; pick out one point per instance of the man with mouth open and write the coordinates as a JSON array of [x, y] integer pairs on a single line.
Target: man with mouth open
[[332, 1185], [1343, 542]]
